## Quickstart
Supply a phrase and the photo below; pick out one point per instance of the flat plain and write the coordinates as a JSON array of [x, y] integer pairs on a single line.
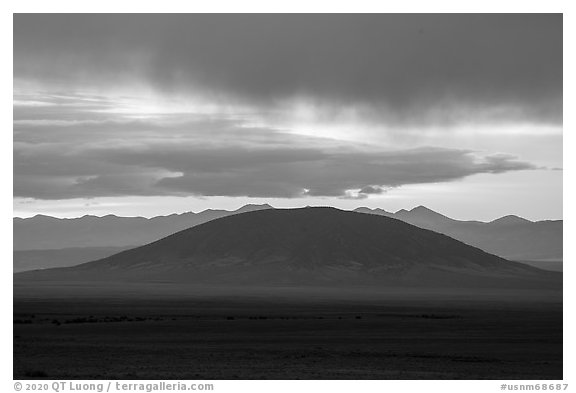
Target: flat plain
[[177, 331]]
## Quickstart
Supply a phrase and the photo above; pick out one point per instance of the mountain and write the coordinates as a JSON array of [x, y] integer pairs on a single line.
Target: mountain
[[510, 237], [44, 259], [44, 232], [312, 246], [377, 211], [422, 215], [510, 220]]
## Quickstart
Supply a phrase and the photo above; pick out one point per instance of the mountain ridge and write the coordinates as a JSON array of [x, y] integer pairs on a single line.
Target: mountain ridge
[[524, 240], [302, 246], [256, 206], [511, 237]]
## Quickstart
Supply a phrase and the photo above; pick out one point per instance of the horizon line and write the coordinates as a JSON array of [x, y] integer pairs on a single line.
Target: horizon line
[[273, 207]]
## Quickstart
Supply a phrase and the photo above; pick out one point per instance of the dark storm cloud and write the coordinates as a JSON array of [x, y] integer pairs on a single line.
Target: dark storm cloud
[[206, 157], [403, 72], [439, 68]]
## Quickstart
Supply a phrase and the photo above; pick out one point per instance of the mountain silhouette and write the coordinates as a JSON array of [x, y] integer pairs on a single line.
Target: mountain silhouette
[[302, 246], [44, 259], [510, 237], [44, 241], [48, 233], [422, 215], [510, 220]]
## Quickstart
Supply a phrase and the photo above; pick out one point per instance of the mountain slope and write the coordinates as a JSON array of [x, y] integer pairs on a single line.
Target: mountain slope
[[302, 246], [44, 232], [45, 259], [510, 237]]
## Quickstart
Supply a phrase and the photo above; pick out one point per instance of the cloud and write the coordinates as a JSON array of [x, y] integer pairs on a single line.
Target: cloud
[[400, 69], [198, 155], [372, 190], [363, 193], [234, 105]]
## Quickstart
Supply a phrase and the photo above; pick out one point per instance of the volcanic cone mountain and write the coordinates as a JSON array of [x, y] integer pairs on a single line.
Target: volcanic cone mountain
[[302, 246]]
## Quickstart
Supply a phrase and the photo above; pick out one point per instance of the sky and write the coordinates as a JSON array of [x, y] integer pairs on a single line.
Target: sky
[[154, 114]]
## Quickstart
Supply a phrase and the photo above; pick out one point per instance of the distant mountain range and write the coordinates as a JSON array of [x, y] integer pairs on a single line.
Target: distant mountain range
[[44, 241], [308, 246], [44, 232], [510, 237]]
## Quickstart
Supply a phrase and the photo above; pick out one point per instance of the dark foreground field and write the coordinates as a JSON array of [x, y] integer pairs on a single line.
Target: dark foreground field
[[166, 331]]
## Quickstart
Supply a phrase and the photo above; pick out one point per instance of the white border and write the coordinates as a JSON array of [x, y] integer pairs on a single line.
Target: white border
[[259, 6]]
